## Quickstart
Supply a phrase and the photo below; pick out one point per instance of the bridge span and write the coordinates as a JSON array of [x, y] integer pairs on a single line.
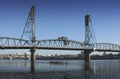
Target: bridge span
[[56, 44], [88, 46]]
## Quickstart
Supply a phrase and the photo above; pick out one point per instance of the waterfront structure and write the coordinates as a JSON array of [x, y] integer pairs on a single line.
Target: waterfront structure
[[62, 43]]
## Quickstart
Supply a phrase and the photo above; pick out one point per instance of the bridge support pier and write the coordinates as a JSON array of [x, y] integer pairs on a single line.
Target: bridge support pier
[[33, 55], [87, 59], [33, 59]]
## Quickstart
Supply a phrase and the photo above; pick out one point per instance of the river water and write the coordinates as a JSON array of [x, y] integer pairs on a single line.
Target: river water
[[70, 69]]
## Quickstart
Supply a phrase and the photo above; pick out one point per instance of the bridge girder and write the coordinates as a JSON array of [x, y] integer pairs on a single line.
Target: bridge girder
[[8, 41], [15, 43]]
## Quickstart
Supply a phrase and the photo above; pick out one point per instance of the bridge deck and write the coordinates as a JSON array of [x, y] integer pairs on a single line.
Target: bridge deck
[[56, 44]]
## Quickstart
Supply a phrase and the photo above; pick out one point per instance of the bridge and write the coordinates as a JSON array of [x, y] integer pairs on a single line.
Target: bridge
[[88, 46], [56, 44]]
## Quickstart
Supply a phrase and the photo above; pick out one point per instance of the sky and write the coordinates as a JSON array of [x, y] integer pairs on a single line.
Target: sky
[[56, 18]]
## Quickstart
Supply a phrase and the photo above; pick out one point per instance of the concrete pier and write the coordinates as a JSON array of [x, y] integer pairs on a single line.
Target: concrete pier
[[33, 55], [33, 59], [87, 59]]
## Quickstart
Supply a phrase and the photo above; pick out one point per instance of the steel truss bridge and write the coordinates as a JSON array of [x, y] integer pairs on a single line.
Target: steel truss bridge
[[55, 44], [62, 43]]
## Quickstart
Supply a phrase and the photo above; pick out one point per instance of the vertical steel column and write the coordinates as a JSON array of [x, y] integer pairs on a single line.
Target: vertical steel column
[[33, 49], [88, 41], [88, 38], [32, 17]]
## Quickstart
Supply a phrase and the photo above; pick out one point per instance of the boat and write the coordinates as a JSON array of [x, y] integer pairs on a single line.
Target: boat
[[56, 62]]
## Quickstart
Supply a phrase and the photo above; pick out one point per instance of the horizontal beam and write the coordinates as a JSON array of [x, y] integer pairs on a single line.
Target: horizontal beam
[[57, 48], [56, 44]]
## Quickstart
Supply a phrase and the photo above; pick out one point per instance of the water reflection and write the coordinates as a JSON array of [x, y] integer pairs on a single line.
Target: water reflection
[[66, 76], [33, 71], [73, 69]]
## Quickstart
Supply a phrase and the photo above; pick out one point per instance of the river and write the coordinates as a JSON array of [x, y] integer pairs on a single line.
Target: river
[[70, 69]]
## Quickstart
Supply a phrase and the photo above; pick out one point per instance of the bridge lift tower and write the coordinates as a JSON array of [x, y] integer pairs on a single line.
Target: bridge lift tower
[[89, 41], [29, 32]]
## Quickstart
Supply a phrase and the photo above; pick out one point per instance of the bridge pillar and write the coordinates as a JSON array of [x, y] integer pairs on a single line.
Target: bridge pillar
[[33, 55], [33, 59], [87, 59]]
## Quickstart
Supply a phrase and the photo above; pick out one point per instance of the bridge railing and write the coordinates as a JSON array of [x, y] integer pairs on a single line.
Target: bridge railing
[[57, 43], [7, 41], [107, 46]]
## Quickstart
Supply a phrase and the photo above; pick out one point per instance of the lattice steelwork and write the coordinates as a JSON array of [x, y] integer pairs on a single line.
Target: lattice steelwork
[[107, 46], [58, 43], [11, 43], [62, 43], [7, 41], [29, 29], [89, 33]]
